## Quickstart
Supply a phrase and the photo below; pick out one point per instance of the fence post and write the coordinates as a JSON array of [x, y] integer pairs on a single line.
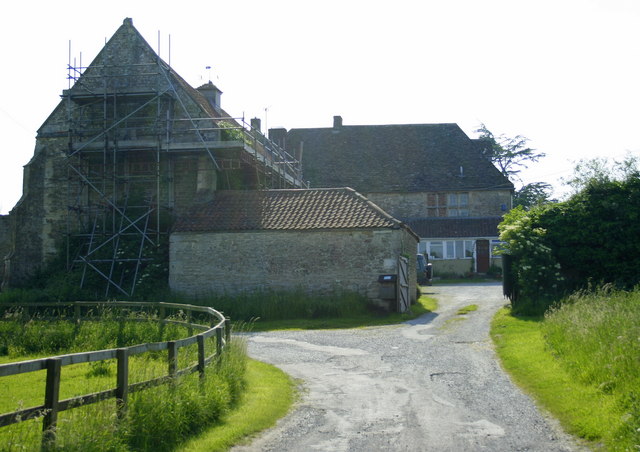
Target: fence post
[[162, 315], [218, 341], [227, 329], [189, 321], [76, 313], [51, 398], [173, 358], [201, 355], [122, 385]]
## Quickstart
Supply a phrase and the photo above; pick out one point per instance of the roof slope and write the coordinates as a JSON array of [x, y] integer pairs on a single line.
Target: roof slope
[[455, 227], [333, 208], [128, 64], [392, 158]]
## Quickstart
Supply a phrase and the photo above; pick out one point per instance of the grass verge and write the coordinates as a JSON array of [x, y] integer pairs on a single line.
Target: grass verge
[[582, 409], [268, 397], [467, 309], [424, 305]]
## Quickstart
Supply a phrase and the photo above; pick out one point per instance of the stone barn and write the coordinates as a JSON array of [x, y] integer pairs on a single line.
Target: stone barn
[[317, 240], [130, 146]]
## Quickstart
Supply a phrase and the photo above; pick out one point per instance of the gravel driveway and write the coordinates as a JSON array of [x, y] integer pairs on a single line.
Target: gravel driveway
[[432, 384]]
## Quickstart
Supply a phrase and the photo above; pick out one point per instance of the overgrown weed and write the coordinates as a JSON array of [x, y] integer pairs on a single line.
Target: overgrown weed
[[596, 336]]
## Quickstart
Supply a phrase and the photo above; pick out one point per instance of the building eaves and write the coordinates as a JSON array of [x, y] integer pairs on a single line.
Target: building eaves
[[458, 227], [286, 210]]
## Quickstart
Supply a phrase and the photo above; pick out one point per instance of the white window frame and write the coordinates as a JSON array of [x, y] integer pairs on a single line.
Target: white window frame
[[451, 249]]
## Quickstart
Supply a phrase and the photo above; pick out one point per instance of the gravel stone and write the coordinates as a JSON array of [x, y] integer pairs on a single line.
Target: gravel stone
[[430, 384]]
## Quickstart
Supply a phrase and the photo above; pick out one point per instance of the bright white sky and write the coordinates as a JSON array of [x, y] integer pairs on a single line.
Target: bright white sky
[[563, 73]]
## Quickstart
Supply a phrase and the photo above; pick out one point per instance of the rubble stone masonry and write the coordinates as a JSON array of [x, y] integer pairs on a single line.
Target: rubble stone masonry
[[316, 261]]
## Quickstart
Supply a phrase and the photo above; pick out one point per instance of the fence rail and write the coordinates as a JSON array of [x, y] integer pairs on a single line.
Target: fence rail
[[218, 326]]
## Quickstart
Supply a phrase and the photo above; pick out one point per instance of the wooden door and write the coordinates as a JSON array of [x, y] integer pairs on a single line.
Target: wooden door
[[482, 256]]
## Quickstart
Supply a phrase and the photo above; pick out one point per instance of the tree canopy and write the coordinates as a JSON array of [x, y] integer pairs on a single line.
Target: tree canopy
[[533, 194], [589, 239], [509, 154], [600, 170]]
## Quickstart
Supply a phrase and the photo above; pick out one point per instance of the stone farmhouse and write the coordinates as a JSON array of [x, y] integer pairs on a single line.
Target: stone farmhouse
[[433, 177], [133, 157]]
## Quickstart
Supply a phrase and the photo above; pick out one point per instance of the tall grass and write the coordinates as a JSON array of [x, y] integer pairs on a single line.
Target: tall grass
[[596, 337], [36, 336], [273, 305], [156, 419]]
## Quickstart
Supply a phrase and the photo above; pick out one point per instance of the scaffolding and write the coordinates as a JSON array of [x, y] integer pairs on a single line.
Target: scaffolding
[[134, 130]]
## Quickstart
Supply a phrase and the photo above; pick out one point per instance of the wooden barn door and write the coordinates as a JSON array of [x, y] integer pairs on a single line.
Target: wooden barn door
[[403, 285], [482, 256]]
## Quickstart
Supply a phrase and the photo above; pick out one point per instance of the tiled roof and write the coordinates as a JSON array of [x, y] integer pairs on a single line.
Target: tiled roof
[[455, 227], [394, 158], [334, 208]]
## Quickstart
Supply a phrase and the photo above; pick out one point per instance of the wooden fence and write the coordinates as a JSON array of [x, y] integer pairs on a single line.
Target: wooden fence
[[217, 325]]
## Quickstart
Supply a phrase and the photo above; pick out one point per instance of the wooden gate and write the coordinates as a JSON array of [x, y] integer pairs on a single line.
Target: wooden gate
[[403, 284]]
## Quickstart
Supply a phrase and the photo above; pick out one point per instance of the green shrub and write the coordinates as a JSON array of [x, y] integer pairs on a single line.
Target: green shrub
[[533, 270], [585, 241]]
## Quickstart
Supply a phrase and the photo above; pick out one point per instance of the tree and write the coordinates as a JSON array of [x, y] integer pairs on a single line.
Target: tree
[[533, 194], [601, 170], [510, 155], [587, 240]]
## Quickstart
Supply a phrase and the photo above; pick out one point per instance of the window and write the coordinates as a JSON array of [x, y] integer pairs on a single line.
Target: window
[[435, 250], [436, 205], [468, 248], [458, 205], [451, 249]]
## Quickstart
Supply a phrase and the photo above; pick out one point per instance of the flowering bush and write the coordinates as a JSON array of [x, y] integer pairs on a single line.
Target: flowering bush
[[587, 241], [535, 272]]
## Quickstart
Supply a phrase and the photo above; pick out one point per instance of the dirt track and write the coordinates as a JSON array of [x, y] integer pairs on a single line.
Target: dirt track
[[432, 384]]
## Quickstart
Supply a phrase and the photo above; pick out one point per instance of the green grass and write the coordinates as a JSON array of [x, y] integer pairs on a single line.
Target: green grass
[[367, 318], [467, 309], [268, 397], [598, 413], [157, 419]]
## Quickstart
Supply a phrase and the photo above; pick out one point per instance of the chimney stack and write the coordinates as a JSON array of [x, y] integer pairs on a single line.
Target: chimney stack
[[255, 124], [278, 135], [212, 93], [337, 122]]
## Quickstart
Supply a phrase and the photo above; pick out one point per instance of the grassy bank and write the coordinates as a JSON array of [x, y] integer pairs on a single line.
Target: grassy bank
[[268, 397], [582, 363]]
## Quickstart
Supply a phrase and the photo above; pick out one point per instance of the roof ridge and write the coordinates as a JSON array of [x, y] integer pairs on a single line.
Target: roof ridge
[[287, 209]]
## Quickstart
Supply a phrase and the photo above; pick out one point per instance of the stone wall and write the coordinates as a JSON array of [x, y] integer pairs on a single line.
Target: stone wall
[[414, 205], [314, 261], [5, 241], [38, 220]]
